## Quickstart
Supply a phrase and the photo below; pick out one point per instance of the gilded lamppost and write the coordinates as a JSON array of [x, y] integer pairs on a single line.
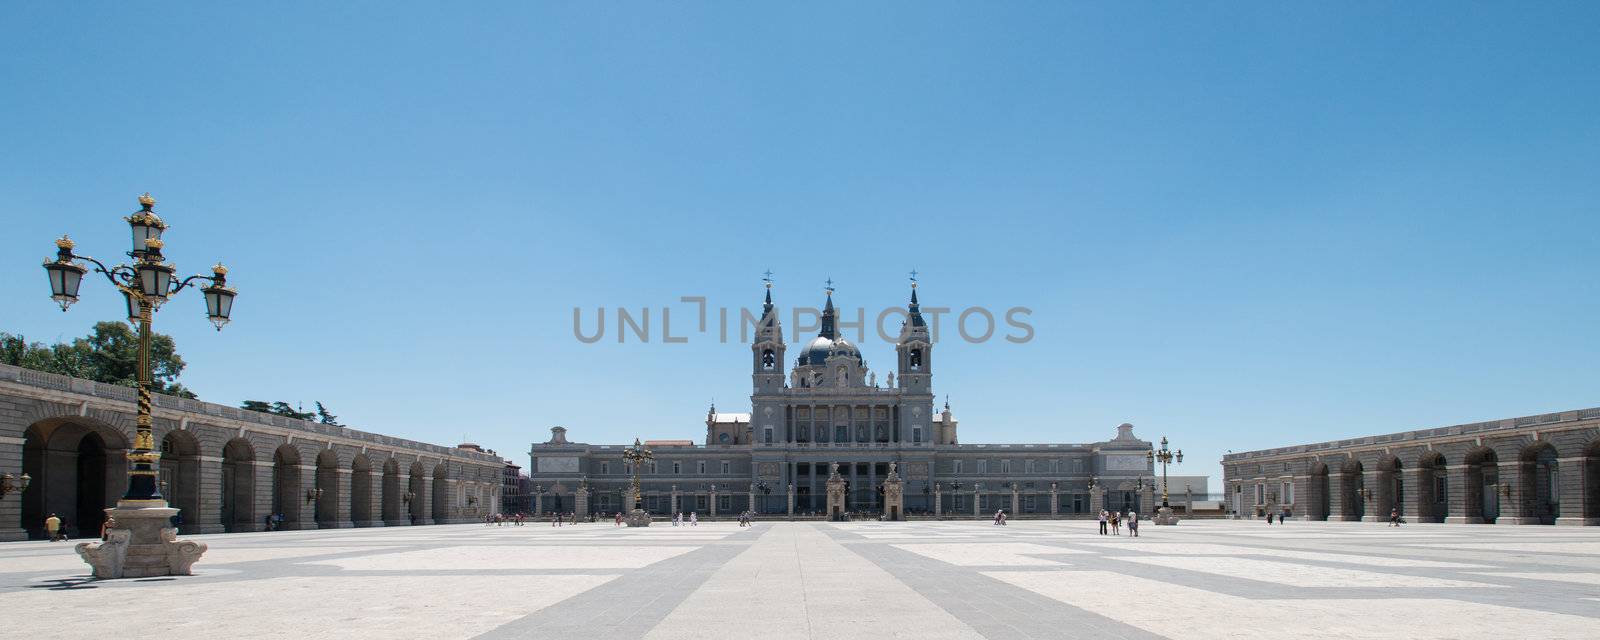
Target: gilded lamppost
[[637, 455], [1165, 456], [145, 286]]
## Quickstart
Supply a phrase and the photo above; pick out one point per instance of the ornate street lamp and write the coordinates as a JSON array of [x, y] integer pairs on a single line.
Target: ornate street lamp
[[1165, 456], [145, 286], [636, 456]]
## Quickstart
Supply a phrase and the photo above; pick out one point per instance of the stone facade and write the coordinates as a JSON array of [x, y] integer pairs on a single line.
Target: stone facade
[[830, 409], [226, 469], [1542, 469]]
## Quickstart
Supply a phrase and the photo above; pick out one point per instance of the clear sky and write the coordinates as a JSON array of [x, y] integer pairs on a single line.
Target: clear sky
[[1240, 226]]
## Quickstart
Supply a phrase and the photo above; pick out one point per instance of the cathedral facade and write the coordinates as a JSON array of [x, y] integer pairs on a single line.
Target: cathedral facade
[[825, 408]]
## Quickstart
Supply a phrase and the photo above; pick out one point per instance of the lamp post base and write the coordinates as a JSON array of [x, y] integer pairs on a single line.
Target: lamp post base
[[143, 544], [637, 518], [1164, 516]]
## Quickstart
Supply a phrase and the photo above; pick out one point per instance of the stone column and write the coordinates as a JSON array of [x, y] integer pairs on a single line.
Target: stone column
[[711, 505], [1337, 496], [1016, 500], [674, 500], [1514, 509], [1457, 496], [580, 501], [752, 502], [1097, 500], [894, 507], [209, 519], [1188, 504], [938, 501], [977, 500], [1569, 475], [1149, 499], [341, 505], [538, 505], [1054, 501], [791, 501], [1412, 494]]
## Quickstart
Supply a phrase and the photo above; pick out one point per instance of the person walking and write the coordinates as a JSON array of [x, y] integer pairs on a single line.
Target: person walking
[[1103, 522], [1116, 524], [1269, 518], [1394, 517], [677, 518], [52, 527], [694, 519], [1133, 523]]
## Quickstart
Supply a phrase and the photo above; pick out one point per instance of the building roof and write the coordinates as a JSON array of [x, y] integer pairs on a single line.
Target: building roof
[[730, 417]]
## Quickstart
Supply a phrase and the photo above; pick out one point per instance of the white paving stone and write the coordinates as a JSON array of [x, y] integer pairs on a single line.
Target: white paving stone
[[507, 557], [1299, 575], [988, 554], [1176, 611]]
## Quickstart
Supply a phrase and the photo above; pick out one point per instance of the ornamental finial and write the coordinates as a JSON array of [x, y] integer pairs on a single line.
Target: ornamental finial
[[219, 269], [154, 243], [146, 201], [65, 242]]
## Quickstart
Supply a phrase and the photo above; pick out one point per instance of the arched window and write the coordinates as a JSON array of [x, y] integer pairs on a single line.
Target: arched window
[[916, 358], [768, 361]]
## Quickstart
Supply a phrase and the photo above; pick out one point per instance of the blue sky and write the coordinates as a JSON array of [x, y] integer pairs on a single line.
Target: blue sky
[[1239, 226]]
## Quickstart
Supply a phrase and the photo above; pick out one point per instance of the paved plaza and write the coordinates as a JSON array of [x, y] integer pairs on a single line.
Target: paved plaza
[[953, 579]]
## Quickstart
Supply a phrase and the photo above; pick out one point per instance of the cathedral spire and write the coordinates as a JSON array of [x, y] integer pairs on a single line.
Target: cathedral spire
[[766, 307], [829, 331], [914, 312]]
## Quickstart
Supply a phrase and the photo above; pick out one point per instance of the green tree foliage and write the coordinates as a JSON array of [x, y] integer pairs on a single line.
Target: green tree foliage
[[110, 354], [283, 409]]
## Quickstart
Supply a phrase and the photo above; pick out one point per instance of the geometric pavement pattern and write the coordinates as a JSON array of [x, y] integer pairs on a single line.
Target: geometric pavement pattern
[[944, 579]]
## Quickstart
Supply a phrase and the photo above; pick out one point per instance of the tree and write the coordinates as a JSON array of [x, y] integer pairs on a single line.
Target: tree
[[277, 408], [109, 354], [326, 418]]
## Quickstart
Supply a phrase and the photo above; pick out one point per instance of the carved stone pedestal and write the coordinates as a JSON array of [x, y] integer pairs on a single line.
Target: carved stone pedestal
[[637, 518], [1164, 516], [143, 544]]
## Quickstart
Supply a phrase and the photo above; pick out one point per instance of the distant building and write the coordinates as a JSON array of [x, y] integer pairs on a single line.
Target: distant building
[[830, 409]]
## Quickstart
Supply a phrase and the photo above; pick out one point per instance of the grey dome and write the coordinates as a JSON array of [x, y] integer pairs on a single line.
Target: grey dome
[[816, 353]]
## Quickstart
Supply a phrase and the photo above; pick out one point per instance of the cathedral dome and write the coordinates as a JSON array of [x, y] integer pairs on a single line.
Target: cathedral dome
[[816, 353]]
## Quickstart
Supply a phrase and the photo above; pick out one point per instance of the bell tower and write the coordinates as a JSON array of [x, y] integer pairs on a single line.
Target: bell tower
[[915, 349], [766, 350]]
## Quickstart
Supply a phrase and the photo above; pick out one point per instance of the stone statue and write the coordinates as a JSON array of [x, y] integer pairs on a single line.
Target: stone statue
[[872, 379], [891, 379]]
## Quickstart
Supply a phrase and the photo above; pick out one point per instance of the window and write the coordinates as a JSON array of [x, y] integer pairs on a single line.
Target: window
[[768, 360], [766, 435], [1439, 489], [700, 467], [983, 466], [1288, 493], [841, 433], [723, 437], [605, 468], [1028, 466], [1261, 493], [727, 467], [916, 435], [1077, 466], [916, 359], [677, 467], [1055, 466], [957, 468]]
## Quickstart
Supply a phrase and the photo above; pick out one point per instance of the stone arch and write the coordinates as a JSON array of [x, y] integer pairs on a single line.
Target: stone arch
[[286, 486], [180, 478], [1352, 490], [1432, 488], [78, 469], [416, 494], [1318, 498], [1389, 495], [391, 492], [361, 491], [1539, 477], [1483, 484], [238, 486], [441, 494], [328, 489]]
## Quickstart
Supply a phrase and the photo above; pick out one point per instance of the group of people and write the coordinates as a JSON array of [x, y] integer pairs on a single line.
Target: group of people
[[1283, 516], [678, 519], [1000, 517], [1113, 521], [498, 519]]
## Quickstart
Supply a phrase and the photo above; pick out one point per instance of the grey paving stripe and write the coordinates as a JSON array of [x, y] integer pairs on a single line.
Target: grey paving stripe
[[634, 603]]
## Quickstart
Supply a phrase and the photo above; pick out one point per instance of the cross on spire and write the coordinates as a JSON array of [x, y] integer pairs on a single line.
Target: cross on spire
[[830, 285], [766, 276]]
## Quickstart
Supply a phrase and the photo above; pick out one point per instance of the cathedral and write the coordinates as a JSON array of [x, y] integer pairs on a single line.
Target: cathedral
[[828, 408]]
